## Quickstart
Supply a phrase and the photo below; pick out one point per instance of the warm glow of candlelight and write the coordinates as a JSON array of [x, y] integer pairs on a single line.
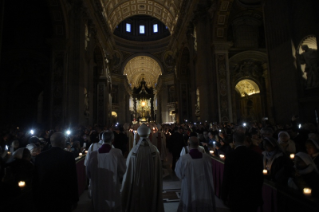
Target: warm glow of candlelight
[[265, 171], [222, 156], [80, 154], [9, 153], [307, 191], [21, 184], [86, 152], [292, 156], [211, 151]]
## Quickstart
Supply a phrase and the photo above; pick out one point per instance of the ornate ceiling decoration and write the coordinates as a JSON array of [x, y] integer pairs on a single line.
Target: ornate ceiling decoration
[[247, 87], [142, 67], [115, 11]]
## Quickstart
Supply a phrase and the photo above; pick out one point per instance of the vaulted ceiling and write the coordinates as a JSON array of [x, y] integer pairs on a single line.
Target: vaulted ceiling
[[142, 67], [167, 11]]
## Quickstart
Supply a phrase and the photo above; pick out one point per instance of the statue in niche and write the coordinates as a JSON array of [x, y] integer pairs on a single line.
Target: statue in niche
[[310, 58]]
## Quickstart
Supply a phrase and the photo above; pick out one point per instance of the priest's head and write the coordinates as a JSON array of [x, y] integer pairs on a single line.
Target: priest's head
[[108, 136], [193, 142], [143, 131], [58, 139]]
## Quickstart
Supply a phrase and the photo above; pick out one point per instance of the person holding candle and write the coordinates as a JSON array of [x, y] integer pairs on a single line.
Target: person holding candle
[[285, 143], [312, 147], [19, 168], [105, 168], [55, 185], [243, 177], [306, 175]]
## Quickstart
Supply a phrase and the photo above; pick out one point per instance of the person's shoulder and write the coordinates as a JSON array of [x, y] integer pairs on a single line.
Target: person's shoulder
[[116, 151]]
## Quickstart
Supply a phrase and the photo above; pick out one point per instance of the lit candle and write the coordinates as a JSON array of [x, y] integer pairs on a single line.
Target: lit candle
[[80, 154], [222, 156], [211, 151], [21, 184], [9, 153], [265, 171], [86, 152], [307, 191], [292, 156]]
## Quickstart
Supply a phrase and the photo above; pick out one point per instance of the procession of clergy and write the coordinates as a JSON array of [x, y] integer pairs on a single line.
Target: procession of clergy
[[141, 188]]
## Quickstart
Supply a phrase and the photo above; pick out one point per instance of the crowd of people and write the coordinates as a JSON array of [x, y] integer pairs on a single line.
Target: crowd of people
[[130, 155]]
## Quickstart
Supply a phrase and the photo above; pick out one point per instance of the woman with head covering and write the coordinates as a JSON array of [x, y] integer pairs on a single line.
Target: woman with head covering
[[19, 167], [312, 147], [285, 143], [306, 175], [274, 161]]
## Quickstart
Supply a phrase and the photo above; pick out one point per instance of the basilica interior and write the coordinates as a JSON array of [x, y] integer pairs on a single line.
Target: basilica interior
[[169, 61]]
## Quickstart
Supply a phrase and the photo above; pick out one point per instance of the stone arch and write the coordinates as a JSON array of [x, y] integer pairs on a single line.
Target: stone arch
[[58, 15], [148, 57], [253, 72], [116, 11]]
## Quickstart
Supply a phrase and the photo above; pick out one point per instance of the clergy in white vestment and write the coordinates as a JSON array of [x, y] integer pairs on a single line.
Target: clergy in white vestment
[[159, 140], [105, 168], [195, 171], [93, 147], [142, 183]]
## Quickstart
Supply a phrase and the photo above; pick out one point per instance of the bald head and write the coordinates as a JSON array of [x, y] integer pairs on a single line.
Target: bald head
[[193, 142], [58, 140]]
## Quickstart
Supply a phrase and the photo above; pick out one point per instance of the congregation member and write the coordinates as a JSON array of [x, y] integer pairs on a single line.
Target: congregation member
[[34, 150], [130, 136], [142, 183], [307, 174], [55, 179], [274, 161], [243, 178], [175, 145], [285, 143], [159, 140], [312, 147], [120, 140], [105, 168], [195, 171]]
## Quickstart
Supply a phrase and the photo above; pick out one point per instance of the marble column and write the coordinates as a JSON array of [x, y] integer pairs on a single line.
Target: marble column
[[223, 81]]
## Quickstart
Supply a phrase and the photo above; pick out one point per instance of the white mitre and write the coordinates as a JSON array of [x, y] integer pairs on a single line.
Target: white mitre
[[144, 131]]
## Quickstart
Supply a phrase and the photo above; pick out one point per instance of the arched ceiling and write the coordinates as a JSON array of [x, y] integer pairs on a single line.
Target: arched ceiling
[[142, 67], [247, 87], [115, 11]]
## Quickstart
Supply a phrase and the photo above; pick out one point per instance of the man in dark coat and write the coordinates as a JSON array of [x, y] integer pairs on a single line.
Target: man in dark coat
[[120, 140], [55, 178], [243, 177], [175, 145]]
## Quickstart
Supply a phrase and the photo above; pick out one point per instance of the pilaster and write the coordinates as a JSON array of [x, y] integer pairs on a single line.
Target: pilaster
[[223, 81]]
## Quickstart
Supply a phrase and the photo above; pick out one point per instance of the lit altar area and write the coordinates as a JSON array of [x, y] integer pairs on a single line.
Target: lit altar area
[[143, 103]]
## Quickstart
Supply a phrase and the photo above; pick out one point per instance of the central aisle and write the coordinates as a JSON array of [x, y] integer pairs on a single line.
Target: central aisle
[[171, 185]]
